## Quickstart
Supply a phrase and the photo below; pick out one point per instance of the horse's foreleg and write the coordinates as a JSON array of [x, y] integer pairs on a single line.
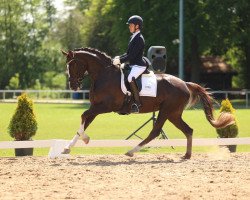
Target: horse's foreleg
[[71, 144], [83, 126], [87, 117], [83, 135], [80, 133]]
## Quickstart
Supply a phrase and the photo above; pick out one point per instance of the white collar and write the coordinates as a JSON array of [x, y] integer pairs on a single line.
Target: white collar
[[134, 34]]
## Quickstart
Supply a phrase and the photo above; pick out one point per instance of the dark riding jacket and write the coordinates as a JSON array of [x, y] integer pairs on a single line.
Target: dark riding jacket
[[135, 51]]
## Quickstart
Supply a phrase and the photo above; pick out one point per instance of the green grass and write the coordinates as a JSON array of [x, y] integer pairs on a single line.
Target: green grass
[[61, 121]]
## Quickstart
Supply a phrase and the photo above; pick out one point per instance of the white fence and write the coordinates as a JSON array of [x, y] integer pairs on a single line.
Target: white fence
[[239, 93], [45, 94], [11, 95], [56, 146]]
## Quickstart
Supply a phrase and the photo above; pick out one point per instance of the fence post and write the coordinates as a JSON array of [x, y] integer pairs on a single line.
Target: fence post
[[246, 99]]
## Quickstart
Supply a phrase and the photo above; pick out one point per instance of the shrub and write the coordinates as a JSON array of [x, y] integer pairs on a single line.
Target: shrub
[[232, 130], [23, 124], [14, 82]]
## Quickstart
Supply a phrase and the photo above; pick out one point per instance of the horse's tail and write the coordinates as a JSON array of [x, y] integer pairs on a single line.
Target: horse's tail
[[199, 93]]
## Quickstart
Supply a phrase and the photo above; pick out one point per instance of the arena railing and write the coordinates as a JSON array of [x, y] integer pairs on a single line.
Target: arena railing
[[11, 95], [57, 145], [45, 95]]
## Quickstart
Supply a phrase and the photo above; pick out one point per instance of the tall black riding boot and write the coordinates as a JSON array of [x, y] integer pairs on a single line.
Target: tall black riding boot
[[135, 106]]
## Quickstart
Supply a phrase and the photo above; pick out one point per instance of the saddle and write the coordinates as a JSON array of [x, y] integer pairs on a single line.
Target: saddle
[[146, 84], [126, 71]]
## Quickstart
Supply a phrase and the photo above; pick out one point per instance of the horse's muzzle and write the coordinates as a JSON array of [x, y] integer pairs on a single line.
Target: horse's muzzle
[[73, 86], [75, 83]]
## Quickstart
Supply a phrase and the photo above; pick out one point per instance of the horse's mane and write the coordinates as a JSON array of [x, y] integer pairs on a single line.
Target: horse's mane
[[102, 55]]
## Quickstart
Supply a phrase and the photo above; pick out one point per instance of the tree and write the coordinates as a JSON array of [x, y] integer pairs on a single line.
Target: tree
[[69, 31], [23, 32], [241, 36], [31, 36], [9, 18], [230, 21], [14, 82]]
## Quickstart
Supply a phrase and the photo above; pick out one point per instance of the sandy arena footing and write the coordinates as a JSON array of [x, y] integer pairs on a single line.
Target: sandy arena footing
[[145, 176]]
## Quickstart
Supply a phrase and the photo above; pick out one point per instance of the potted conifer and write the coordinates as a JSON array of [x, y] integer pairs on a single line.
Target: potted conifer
[[23, 124], [230, 131]]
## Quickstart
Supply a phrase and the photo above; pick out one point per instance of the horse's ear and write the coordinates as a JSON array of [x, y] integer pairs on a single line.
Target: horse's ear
[[64, 52], [71, 54]]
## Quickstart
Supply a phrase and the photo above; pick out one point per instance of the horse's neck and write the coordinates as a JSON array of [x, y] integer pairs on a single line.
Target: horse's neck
[[106, 74], [94, 67], [95, 73], [98, 69]]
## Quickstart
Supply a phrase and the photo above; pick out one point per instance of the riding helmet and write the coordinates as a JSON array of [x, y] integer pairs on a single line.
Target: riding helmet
[[136, 20]]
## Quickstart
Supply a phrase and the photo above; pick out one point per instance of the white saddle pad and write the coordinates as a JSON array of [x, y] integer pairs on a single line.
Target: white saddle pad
[[149, 85]]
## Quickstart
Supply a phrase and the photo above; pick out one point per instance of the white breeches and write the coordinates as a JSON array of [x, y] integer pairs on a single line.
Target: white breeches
[[135, 72]]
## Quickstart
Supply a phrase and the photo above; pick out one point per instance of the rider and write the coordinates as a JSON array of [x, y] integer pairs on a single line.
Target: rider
[[134, 58]]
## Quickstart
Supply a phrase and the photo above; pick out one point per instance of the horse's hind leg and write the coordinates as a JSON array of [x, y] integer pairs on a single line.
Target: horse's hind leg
[[180, 124], [162, 117]]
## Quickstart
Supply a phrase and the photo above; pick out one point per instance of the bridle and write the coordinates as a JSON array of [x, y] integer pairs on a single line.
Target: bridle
[[78, 80]]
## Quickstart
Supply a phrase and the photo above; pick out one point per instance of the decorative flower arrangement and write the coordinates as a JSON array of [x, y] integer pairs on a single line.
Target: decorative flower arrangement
[[230, 131], [23, 124]]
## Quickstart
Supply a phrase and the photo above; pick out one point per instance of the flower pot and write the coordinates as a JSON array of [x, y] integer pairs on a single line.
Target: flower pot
[[24, 152], [232, 148]]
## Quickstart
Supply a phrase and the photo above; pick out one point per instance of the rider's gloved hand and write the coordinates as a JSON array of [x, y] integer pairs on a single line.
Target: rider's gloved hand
[[116, 61]]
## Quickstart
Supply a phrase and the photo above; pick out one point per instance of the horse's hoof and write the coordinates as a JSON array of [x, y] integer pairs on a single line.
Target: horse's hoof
[[186, 156], [86, 140], [129, 154], [66, 151]]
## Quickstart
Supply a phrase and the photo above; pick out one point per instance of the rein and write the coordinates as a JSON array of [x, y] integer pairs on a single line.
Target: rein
[[78, 80]]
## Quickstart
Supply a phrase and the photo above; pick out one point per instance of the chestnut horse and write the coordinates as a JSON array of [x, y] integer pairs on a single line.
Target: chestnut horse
[[173, 96]]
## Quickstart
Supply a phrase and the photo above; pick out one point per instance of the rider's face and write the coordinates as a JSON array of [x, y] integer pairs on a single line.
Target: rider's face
[[132, 28]]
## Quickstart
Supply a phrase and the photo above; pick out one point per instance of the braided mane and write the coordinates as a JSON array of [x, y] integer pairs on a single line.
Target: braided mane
[[103, 56]]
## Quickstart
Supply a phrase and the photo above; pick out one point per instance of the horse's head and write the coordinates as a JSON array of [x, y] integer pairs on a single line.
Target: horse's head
[[76, 69]]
